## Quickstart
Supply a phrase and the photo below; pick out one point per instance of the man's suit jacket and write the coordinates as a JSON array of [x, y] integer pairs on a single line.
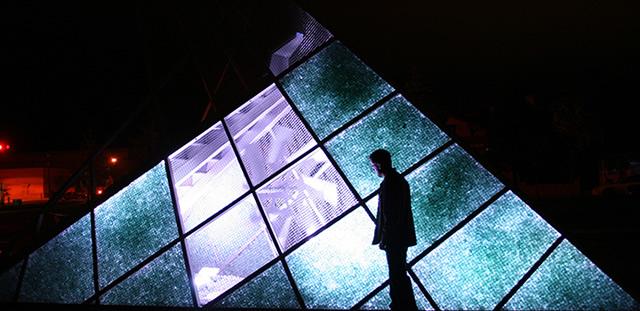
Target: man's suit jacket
[[394, 226]]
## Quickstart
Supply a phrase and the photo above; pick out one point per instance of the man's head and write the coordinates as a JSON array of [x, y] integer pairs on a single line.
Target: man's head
[[381, 161]]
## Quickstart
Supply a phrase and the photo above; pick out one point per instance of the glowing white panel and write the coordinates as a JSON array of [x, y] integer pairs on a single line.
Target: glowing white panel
[[228, 249], [304, 198], [268, 134], [206, 176]]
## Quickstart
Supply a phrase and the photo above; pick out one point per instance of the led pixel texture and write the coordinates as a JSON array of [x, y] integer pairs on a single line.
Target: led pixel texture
[[162, 282], [269, 290], [444, 191], [481, 262], [206, 176], [337, 268], [134, 223], [396, 126], [61, 271], [382, 300], [228, 249], [268, 134], [333, 87], [304, 198], [568, 280]]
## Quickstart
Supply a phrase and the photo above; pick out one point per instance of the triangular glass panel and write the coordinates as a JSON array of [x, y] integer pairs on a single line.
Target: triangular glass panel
[[568, 280], [134, 223], [162, 282], [305, 197], [228, 249], [269, 290], [206, 176], [268, 134], [61, 271]]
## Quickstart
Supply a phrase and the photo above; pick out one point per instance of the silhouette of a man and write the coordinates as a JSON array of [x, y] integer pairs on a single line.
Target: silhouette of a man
[[394, 231]]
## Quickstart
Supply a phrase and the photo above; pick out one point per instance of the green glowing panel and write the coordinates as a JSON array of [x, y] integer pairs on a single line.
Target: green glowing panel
[[61, 271], [134, 223], [481, 262], [270, 290], [568, 280], [444, 191], [332, 88], [9, 282], [162, 282], [396, 126], [382, 300], [338, 267]]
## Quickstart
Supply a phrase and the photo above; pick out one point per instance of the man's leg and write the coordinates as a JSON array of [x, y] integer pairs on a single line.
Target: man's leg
[[400, 288]]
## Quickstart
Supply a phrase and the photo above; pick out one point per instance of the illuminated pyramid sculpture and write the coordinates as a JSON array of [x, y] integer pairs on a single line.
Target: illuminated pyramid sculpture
[[272, 207]]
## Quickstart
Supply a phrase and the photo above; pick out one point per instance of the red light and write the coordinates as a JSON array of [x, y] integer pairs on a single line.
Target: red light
[[99, 191], [113, 160]]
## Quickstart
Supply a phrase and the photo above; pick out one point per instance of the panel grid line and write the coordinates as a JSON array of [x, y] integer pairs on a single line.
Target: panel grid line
[[360, 116], [322, 147], [370, 295], [528, 274], [176, 212], [458, 226], [423, 289], [266, 221], [133, 270], [94, 255]]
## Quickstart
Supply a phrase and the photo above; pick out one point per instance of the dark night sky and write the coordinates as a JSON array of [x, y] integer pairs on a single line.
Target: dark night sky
[[70, 69]]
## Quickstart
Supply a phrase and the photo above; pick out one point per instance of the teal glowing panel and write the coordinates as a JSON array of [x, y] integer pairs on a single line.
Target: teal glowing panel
[[397, 126], [338, 267], [382, 300], [444, 191], [228, 249], [61, 271], [9, 282], [134, 223], [480, 263], [372, 205], [568, 280], [162, 282], [333, 87], [269, 290]]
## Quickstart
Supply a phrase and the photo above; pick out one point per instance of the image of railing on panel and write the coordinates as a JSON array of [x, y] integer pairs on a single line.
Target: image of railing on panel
[[206, 176], [268, 134], [228, 249], [302, 199]]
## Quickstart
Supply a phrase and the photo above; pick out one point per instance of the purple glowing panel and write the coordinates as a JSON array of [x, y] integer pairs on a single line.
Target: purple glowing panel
[[304, 198], [228, 249], [206, 176], [268, 134]]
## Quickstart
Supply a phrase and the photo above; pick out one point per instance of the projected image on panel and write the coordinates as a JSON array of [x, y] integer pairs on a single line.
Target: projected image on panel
[[268, 134], [228, 249], [304, 198], [206, 176]]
